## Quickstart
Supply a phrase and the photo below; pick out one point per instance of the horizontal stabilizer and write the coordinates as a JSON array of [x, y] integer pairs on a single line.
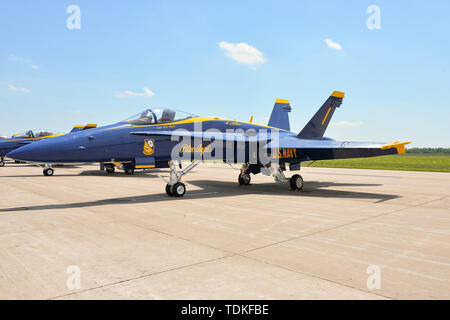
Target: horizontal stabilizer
[[315, 128], [280, 115], [400, 146]]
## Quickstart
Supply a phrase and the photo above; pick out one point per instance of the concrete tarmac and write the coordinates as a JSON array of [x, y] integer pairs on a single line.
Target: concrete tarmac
[[350, 234]]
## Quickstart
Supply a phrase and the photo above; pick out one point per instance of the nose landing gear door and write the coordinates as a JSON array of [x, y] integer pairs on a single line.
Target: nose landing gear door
[[144, 162]]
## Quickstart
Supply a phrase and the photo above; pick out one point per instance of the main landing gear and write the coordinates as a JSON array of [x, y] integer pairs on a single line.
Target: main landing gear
[[110, 168], [244, 178], [48, 171], [174, 187], [295, 182], [2, 162]]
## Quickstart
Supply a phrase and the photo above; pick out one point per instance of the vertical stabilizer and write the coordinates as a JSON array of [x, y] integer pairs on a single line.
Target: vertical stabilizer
[[315, 128], [280, 115]]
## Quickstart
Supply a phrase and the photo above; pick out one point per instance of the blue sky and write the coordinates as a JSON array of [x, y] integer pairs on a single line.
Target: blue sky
[[396, 79]]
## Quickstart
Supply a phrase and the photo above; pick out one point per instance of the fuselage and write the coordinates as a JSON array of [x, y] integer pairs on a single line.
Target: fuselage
[[13, 143], [116, 143], [152, 138]]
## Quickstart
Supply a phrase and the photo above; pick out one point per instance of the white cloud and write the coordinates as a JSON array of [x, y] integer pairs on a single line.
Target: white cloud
[[15, 58], [347, 124], [22, 60], [14, 88], [243, 53], [333, 45], [147, 93]]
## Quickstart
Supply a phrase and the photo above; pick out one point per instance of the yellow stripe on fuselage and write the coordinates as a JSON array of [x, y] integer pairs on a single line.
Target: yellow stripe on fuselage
[[192, 120]]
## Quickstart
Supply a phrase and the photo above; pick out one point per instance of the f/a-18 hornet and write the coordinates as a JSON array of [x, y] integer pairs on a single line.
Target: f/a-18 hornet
[[162, 138], [20, 139]]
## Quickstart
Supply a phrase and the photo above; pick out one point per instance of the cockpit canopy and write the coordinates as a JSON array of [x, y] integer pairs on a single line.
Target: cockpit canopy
[[155, 116], [35, 133]]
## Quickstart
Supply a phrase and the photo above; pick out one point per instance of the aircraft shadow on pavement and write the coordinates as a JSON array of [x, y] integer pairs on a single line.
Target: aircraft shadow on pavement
[[138, 174], [221, 189], [96, 173]]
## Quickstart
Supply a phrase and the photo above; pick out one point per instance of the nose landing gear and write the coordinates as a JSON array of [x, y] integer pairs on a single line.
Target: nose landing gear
[[48, 171], [174, 187]]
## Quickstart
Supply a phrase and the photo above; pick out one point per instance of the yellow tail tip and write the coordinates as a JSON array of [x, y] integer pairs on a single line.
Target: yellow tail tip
[[338, 94], [282, 101]]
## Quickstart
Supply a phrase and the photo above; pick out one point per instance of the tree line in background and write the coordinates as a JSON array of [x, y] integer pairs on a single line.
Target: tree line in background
[[431, 151]]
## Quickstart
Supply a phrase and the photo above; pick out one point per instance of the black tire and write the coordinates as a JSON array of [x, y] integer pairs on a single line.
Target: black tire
[[48, 172], [17, 161], [296, 182], [109, 168], [129, 171], [178, 189], [2, 164], [244, 179], [169, 190]]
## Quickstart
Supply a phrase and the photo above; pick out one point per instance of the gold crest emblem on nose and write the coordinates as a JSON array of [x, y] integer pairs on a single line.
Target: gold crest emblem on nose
[[149, 147]]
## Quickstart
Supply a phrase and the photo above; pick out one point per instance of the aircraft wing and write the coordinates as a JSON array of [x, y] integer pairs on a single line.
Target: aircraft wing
[[324, 149], [310, 149]]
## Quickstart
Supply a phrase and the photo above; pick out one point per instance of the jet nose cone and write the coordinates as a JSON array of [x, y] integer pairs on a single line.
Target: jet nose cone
[[25, 153], [39, 151]]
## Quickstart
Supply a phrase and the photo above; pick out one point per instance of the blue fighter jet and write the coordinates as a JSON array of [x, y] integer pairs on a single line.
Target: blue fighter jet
[[21, 139], [162, 138]]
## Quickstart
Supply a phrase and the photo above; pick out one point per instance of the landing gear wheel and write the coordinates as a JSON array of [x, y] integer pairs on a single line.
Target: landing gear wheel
[[244, 179], [169, 190], [110, 168], [179, 189], [296, 182], [48, 172], [2, 163], [129, 171]]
